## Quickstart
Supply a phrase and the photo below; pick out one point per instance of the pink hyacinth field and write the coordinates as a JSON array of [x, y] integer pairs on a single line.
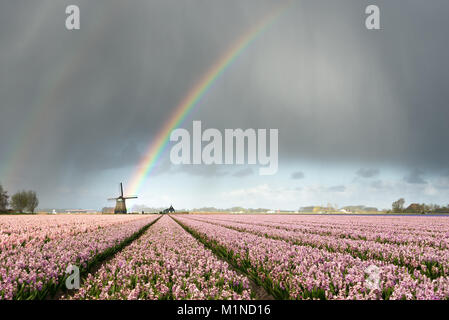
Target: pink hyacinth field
[[224, 257]]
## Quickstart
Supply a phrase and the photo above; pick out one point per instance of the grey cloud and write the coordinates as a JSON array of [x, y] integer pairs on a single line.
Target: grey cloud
[[442, 183], [377, 184], [297, 175], [343, 98], [93, 100], [367, 173], [415, 177]]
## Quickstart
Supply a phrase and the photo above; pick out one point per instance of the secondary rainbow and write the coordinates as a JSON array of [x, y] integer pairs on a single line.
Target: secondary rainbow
[[161, 141]]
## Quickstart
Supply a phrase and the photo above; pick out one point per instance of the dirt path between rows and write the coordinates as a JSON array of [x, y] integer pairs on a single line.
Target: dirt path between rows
[[259, 291], [94, 268]]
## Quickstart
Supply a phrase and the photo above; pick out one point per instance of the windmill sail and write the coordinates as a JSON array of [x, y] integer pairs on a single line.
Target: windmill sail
[[120, 204]]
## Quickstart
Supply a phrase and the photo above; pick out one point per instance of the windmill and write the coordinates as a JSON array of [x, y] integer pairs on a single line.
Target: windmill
[[120, 204]]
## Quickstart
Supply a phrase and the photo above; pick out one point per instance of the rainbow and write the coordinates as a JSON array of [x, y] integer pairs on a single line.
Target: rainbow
[[161, 141]]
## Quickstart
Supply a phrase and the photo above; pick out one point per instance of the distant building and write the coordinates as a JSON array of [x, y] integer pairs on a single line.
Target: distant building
[[354, 208], [415, 208], [318, 209], [80, 211], [168, 210]]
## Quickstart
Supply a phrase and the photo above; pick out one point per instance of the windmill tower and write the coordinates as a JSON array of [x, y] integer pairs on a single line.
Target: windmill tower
[[120, 203]]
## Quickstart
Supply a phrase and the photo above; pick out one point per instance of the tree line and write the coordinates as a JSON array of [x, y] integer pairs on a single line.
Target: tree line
[[398, 207], [22, 201]]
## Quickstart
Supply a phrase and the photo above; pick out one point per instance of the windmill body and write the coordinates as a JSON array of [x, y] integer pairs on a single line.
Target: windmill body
[[120, 202]]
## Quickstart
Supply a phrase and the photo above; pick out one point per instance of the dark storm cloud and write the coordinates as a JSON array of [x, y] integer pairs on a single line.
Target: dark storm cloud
[[367, 173], [93, 99], [340, 93], [415, 177], [77, 103], [297, 175]]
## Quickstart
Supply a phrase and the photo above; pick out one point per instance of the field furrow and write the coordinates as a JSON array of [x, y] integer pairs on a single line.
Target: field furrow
[[378, 233], [218, 256], [427, 260], [165, 263], [34, 257], [291, 271]]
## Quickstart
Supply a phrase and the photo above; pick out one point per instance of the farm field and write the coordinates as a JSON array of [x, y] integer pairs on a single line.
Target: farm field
[[225, 257], [36, 250]]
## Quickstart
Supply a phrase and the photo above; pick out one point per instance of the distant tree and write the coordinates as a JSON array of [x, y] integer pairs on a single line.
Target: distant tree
[[19, 201], [107, 210], [238, 209], [433, 207], [3, 199], [442, 209], [398, 206], [32, 201]]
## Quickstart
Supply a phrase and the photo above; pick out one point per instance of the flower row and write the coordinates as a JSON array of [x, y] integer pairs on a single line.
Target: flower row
[[302, 272], [26, 231], [434, 234], [164, 263], [428, 260], [37, 268]]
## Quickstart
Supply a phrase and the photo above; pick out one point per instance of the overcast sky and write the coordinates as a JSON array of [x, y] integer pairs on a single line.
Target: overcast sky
[[362, 115]]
